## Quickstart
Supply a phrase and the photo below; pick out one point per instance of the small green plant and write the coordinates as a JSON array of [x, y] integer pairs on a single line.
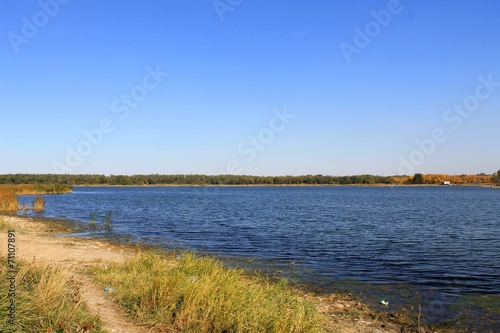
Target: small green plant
[[107, 220], [93, 220]]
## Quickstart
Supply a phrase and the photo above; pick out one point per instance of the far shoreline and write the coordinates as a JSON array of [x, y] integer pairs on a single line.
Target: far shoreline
[[289, 185]]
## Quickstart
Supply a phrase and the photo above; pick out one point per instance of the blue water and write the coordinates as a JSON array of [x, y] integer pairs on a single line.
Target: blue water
[[444, 241]]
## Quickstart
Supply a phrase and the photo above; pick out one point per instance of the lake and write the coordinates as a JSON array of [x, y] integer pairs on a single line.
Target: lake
[[439, 246]]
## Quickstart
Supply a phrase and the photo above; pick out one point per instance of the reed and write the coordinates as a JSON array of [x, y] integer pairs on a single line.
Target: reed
[[47, 300], [8, 200], [93, 220], [199, 294], [9, 193], [27, 189], [107, 220], [39, 204]]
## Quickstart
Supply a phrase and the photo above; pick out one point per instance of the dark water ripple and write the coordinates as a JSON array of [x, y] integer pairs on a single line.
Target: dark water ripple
[[445, 239]]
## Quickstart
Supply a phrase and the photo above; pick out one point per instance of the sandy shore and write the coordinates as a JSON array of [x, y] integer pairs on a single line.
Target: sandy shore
[[38, 241], [41, 241]]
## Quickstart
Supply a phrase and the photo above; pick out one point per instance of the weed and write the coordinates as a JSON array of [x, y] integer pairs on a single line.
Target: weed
[[39, 204], [4, 225], [107, 220], [93, 220]]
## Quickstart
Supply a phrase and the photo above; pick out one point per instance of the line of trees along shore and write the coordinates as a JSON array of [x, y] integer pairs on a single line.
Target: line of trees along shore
[[157, 179]]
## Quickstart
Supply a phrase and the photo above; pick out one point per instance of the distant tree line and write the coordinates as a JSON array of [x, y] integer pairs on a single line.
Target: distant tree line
[[431, 179], [496, 177], [157, 179]]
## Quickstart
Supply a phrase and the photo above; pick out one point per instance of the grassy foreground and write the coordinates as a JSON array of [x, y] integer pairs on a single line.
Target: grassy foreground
[[199, 294], [46, 299]]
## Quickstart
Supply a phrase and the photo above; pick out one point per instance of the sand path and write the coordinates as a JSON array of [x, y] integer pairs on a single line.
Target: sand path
[[39, 242]]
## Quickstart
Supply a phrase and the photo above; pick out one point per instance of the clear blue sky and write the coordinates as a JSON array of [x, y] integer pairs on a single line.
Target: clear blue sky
[[361, 81]]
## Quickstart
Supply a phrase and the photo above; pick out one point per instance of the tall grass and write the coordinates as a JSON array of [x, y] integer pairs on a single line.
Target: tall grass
[[107, 220], [26, 189], [93, 220], [8, 200], [39, 204], [47, 300], [9, 193], [199, 294]]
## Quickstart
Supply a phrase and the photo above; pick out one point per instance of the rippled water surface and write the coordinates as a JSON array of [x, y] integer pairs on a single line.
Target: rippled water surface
[[440, 239]]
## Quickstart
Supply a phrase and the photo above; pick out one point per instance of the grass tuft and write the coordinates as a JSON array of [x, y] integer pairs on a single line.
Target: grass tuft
[[107, 220], [4, 225], [199, 294], [93, 220], [39, 204]]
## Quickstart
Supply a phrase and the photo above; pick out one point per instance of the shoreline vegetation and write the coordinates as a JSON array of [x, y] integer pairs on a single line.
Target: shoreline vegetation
[[10, 192], [70, 284], [53, 180], [13, 185]]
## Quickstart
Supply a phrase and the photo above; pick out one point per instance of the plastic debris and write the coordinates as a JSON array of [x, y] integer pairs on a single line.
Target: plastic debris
[[383, 302], [109, 290]]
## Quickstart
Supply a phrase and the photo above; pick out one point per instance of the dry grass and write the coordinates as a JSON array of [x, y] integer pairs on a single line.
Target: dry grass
[[9, 193], [8, 200], [4, 225], [27, 189], [47, 300], [39, 204], [199, 294]]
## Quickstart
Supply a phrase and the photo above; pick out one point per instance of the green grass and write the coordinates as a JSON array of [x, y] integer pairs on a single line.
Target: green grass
[[93, 220], [199, 294], [46, 299], [107, 220]]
